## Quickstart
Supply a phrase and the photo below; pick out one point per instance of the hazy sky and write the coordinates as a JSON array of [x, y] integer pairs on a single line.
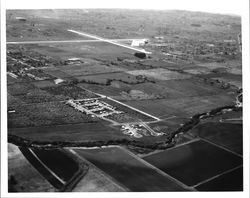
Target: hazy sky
[[215, 6]]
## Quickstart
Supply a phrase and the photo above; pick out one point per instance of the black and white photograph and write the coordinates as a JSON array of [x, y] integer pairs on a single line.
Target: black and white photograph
[[142, 96]]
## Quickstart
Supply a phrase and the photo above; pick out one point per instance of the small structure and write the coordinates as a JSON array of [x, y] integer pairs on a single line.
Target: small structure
[[159, 37], [139, 42], [58, 81], [73, 61], [21, 19], [11, 110], [210, 45]]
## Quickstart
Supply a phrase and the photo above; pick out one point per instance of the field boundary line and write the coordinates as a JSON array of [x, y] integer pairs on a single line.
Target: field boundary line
[[49, 126], [100, 171], [158, 170], [221, 147], [142, 112], [216, 176], [109, 41], [56, 176], [178, 145]]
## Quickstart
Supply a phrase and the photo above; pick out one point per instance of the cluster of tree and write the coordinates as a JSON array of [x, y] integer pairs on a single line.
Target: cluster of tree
[[196, 119]]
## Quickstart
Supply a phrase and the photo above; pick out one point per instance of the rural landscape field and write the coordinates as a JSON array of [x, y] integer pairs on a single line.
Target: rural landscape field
[[116, 100]]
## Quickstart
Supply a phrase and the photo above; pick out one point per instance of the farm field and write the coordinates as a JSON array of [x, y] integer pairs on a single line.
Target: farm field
[[228, 135], [95, 181], [182, 107], [191, 163], [127, 170], [71, 132], [22, 176], [84, 50], [231, 181], [56, 165]]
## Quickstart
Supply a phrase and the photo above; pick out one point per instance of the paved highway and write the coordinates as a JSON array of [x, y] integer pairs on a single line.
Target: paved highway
[[65, 41]]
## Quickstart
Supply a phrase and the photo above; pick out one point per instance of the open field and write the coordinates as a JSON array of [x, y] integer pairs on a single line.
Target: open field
[[181, 107], [104, 50], [228, 135], [109, 77], [194, 162], [127, 170], [71, 132], [95, 181], [231, 181], [78, 70], [160, 74], [54, 71]]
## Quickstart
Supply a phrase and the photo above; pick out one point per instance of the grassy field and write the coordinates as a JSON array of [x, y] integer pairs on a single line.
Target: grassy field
[[80, 70], [82, 132], [96, 181], [228, 135], [181, 107], [160, 74]]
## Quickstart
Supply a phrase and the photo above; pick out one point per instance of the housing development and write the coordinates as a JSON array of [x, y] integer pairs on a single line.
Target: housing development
[[112, 100]]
